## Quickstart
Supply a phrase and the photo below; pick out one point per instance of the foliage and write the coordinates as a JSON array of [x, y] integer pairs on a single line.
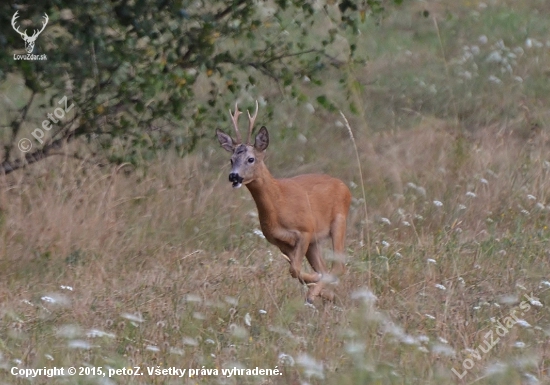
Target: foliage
[[155, 74]]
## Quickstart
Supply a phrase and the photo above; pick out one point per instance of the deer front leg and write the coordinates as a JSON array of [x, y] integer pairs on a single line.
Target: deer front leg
[[294, 245]]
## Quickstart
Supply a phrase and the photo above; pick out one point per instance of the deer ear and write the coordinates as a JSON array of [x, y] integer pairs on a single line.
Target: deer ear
[[262, 139], [225, 140]]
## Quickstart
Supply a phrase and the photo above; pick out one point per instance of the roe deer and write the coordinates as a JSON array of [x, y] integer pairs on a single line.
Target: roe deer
[[295, 213]]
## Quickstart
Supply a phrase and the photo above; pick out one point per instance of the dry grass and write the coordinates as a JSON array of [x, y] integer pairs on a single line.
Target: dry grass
[[116, 267], [175, 247]]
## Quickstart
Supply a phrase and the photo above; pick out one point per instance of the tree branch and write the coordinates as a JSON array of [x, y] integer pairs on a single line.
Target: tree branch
[[7, 167], [193, 47]]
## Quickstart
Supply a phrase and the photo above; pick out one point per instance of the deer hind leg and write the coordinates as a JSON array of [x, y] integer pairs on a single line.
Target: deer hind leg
[[316, 261], [338, 233]]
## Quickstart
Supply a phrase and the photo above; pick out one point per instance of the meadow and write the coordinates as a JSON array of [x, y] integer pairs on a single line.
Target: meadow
[[448, 267]]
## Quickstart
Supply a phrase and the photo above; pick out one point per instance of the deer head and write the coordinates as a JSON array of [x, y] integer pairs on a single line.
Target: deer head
[[29, 40], [246, 157]]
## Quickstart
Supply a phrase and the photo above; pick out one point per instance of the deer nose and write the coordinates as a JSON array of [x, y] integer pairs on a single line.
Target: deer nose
[[235, 178]]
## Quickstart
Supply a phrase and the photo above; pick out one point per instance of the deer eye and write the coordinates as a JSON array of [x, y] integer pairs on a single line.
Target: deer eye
[[250, 160]]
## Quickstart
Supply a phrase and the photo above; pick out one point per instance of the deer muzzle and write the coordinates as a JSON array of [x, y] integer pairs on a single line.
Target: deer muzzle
[[236, 179]]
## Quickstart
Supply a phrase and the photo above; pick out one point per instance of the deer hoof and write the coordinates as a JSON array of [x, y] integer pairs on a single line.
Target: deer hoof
[[311, 306]]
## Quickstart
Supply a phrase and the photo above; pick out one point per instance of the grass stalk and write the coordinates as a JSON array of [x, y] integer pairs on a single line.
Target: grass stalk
[[361, 178]]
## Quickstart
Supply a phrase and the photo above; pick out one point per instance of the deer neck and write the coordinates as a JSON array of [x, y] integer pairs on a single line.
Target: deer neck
[[266, 192]]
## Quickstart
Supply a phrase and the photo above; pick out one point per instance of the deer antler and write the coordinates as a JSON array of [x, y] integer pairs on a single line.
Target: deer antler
[[234, 118], [251, 122], [44, 23], [13, 19]]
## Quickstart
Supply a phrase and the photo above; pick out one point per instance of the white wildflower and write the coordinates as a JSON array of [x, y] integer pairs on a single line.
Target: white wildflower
[[192, 298], [523, 323], [79, 344], [497, 368], [94, 333], [312, 367], [355, 347], [55, 298], [494, 79], [190, 341], [535, 302], [494, 57], [198, 315], [259, 233], [519, 344], [70, 288], [364, 294], [178, 351], [423, 338], [132, 317], [286, 359], [423, 349], [152, 348], [443, 349]]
